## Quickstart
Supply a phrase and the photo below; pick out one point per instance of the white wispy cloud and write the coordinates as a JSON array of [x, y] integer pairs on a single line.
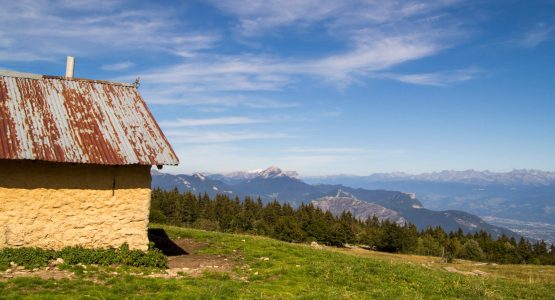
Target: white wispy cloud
[[259, 16], [328, 150], [179, 95], [44, 30], [539, 34], [244, 73], [343, 151], [210, 122], [443, 78], [217, 158], [377, 36], [118, 66], [212, 137], [307, 161], [228, 157]]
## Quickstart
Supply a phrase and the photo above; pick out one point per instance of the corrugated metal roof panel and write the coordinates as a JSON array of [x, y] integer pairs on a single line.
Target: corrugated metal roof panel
[[73, 120]]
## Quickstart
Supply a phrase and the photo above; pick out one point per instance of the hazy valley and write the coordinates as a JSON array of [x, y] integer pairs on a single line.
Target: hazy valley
[[521, 200]]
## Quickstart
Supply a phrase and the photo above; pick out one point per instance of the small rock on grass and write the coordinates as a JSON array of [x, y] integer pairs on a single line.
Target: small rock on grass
[[315, 245], [54, 263]]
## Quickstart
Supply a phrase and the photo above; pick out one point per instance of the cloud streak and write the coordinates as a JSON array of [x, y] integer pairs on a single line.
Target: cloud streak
[[541, 33], [42, 30], [248, 73], [377, 36], [444, 78], [210, 122], [167, 95], [260, 16], [118, 66], [214, 137], [327, 151]]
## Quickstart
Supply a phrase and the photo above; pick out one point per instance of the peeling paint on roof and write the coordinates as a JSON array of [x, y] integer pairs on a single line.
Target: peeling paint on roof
[[73, 120]]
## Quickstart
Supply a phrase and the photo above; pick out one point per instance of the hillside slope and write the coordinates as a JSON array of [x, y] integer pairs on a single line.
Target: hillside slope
[[266, 268]]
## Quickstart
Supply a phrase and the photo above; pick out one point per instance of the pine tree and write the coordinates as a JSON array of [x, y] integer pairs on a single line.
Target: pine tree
[[524, 250]]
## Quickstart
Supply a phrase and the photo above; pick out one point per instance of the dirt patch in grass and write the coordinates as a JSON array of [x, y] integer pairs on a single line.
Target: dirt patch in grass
[[183, 256], [40, 273], [189, 245], [194, 263]]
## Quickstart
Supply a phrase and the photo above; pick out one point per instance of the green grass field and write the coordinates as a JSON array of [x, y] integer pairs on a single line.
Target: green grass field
[[298, 271]]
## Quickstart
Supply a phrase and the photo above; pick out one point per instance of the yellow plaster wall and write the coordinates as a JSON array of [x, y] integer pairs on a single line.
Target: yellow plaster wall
[[52, 205]]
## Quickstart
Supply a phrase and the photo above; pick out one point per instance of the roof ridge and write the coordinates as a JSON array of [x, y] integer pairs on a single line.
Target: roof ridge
[[88, 80], [10, 73]]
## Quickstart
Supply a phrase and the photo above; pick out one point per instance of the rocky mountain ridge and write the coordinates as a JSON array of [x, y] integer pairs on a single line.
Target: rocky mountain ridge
[[361, 210]]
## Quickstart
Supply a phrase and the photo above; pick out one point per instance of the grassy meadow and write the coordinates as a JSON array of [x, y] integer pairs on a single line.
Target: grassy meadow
[[264, 268]]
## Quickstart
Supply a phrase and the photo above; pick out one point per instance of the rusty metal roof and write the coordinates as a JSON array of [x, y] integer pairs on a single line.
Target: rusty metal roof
[[73, 120]]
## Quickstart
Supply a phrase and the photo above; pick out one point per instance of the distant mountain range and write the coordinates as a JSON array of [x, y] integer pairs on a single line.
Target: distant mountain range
[[527, 177], [273, 183], [521, 200]]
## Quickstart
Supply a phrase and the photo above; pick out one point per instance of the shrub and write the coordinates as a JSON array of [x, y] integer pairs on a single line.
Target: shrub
[[35, 257], [471, 250], [29, 257]]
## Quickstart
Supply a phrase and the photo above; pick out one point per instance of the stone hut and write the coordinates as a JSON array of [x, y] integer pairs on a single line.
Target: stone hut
[[75, 160]]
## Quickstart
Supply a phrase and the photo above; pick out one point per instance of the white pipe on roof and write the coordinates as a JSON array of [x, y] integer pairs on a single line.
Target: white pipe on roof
[[70, 66]]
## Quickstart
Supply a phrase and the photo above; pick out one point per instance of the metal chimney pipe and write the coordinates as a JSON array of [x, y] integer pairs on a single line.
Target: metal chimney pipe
[[69, 66]]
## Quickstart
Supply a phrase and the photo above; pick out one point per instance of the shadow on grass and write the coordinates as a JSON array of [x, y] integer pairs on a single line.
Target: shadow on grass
[[163, 242]]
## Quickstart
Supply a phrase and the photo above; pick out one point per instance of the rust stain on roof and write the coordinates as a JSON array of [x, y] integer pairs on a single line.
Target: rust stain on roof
[[73, 120]]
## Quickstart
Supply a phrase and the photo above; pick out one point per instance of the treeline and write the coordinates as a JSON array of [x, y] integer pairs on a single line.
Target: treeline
[[308, 223]]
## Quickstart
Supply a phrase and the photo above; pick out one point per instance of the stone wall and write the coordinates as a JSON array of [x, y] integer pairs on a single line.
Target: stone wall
[[53, 205]]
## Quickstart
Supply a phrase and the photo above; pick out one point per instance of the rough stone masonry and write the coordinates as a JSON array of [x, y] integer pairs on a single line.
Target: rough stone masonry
[[54, 205]]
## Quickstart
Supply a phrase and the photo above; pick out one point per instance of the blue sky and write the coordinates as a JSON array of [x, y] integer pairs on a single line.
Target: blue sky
[[320, 87]]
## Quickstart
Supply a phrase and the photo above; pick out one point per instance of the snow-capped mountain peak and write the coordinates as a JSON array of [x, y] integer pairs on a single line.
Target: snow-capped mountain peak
[[342, 194], [200, 176], [275, 172], [271, 172]]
